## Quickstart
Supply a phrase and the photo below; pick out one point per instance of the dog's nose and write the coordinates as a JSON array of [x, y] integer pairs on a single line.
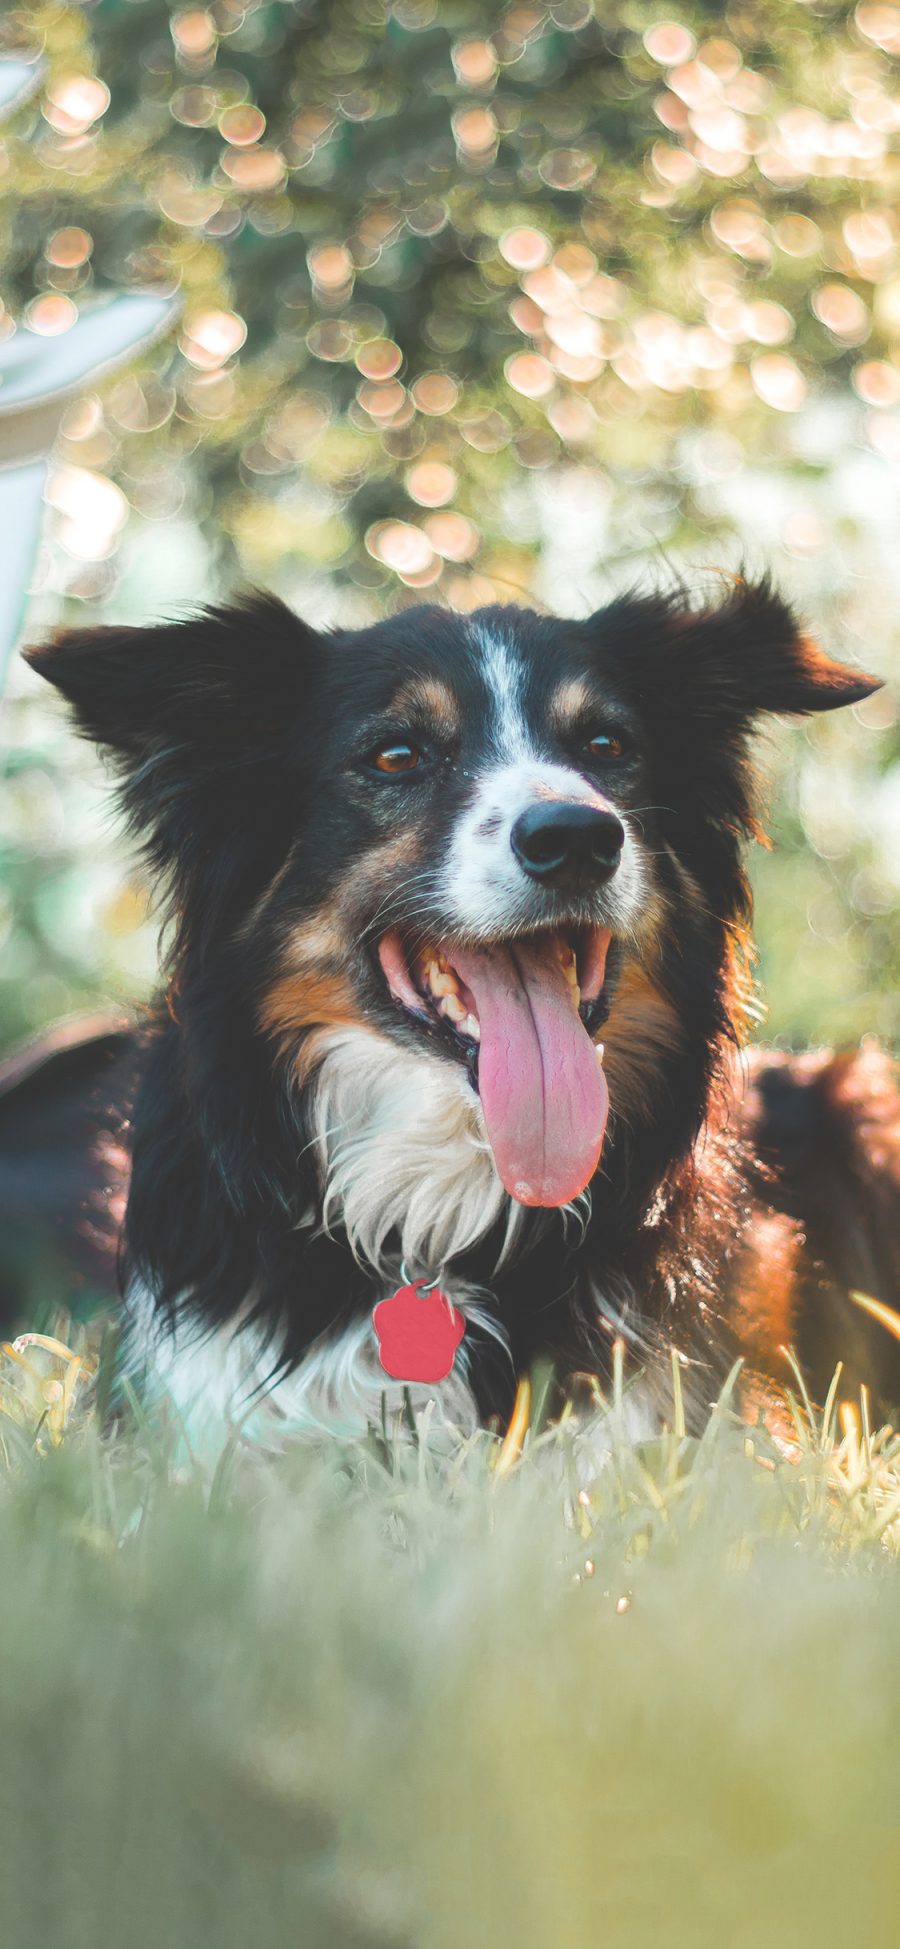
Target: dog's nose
[[565, 844]]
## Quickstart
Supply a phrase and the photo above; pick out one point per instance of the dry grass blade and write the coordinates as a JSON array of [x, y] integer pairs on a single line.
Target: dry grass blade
[[513, 1441], [876, 1308], [45, 1387]]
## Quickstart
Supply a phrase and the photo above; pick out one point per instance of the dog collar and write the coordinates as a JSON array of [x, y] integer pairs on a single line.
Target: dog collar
[[418, 1331]]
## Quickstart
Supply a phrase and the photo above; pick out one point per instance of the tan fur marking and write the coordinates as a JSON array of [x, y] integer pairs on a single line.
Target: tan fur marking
[[316, 941], [572, 701], [427, 697], [314, 988], [298, 1000], [364, 884]]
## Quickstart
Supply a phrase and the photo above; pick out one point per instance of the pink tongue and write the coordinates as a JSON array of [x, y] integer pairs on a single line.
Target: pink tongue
[[542, 1089]]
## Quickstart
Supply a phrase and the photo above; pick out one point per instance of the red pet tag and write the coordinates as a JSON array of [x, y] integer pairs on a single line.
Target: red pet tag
[[418, 1333]]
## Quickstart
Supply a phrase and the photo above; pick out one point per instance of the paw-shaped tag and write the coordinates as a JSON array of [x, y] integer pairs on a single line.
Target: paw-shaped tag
[[418, 1333]]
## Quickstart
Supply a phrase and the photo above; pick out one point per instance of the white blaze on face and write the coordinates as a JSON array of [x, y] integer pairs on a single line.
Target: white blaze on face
[[485, 891], [504, 677]]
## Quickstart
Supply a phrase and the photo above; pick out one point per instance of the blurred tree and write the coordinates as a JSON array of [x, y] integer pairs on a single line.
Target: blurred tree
[[480, 303]]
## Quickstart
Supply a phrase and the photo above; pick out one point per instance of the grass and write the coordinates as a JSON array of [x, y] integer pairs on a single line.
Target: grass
[[372, 1695]]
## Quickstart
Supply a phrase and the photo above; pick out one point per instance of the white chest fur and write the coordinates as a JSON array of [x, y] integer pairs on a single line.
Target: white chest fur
[[402, 1154]]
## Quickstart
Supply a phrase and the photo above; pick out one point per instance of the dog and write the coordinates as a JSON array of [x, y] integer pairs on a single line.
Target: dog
[[451, 1071]]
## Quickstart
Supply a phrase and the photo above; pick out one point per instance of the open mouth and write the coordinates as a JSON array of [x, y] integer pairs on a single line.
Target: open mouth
[[520, 1013]]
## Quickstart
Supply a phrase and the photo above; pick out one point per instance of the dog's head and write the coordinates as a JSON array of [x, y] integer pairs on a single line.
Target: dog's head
[[483, 837]]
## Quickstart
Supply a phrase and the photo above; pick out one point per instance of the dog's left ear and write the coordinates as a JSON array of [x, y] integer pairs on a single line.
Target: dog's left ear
[[749, 655]]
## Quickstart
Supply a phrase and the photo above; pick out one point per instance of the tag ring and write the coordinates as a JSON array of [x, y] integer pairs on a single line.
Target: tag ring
[[422, 1285]]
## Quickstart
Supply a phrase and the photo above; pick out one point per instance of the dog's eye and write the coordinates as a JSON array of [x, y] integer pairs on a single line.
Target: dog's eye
[[607, 744], [397, 757]]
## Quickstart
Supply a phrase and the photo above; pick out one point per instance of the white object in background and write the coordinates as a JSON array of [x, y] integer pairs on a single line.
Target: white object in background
[[38, 378], [19, 80]]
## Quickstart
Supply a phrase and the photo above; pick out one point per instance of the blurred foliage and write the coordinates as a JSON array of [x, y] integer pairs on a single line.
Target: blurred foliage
[[372, 1695], [479, 303]]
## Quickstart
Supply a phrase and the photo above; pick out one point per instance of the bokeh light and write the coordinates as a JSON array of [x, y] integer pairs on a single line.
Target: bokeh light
[[74, 102], [843, 311], [435, 392], [475, 63], [669, 43], [525, 249], [50, 315], [432, 483], [331, 267], [194, 33], [529, 374], [69, 248], [778, 382], [877, 382], [242, 124], [211, 337], [94, 511], [476, 132], [379, 358]]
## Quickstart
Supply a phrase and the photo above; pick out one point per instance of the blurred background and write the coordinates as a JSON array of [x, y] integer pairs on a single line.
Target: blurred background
[[474, 304]]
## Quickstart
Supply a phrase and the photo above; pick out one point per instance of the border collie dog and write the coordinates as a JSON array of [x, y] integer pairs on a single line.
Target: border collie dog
[[459, 989]]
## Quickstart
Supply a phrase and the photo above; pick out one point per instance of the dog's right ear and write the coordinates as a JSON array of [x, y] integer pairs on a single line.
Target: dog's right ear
[[219, 681], [194, 714]]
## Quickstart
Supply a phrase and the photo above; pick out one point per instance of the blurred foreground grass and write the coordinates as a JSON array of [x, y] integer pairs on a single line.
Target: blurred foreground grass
[[369, 1695]]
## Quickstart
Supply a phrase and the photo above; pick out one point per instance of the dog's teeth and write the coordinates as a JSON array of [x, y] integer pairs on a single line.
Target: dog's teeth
[[444, 983], [471, 1026], [452, 1007], [601, 1051]]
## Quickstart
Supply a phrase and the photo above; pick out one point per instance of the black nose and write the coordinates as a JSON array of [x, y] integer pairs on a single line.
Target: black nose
[[566, 844]]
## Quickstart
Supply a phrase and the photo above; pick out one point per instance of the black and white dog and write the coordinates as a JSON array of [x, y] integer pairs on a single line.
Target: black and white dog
[[458, 987]]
